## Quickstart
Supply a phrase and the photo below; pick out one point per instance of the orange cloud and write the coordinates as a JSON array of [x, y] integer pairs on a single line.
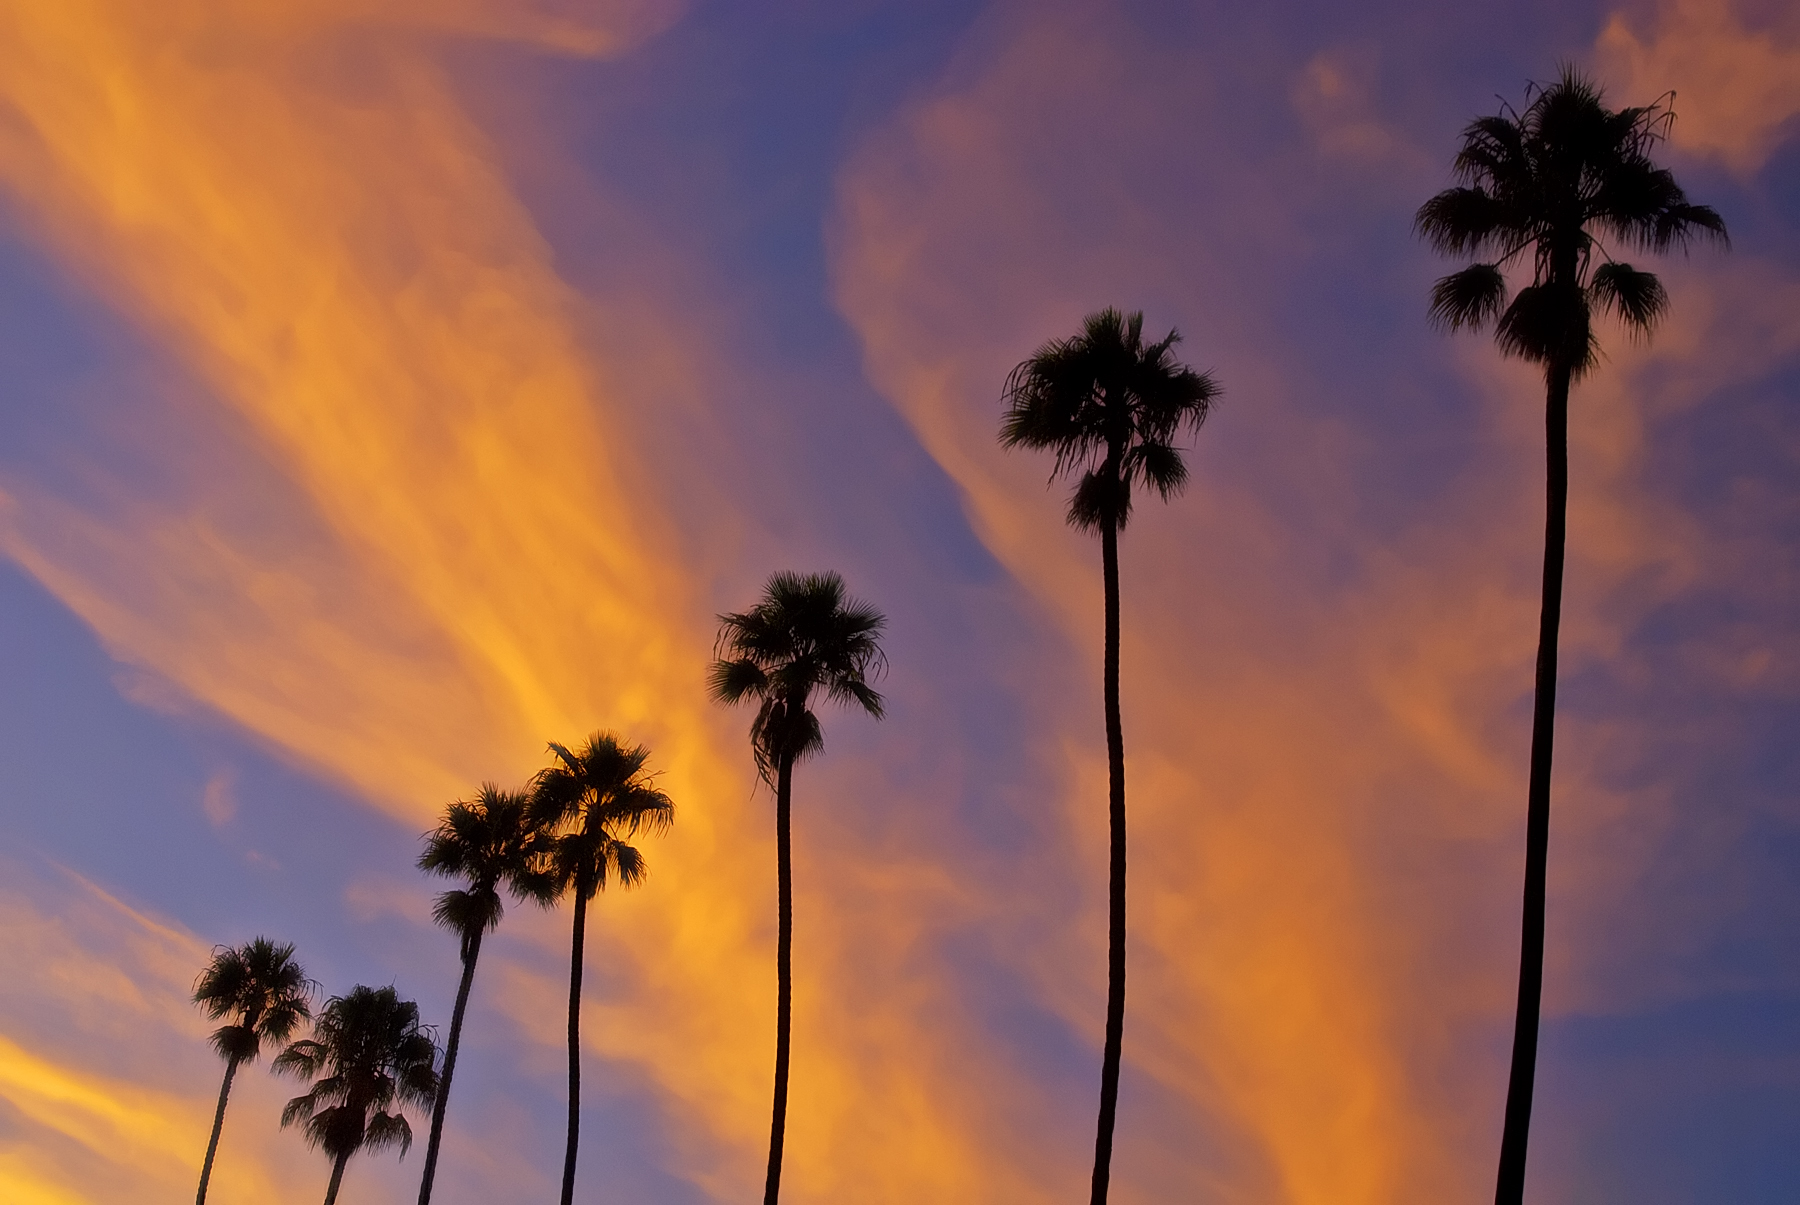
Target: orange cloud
[[1736, 87]]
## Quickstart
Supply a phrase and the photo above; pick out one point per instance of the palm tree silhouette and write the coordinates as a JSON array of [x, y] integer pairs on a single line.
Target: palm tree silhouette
[[486, 841], [1110, 407], [368, 1054], [267, 996], [594, 799], [804, 637], [1556, 181]]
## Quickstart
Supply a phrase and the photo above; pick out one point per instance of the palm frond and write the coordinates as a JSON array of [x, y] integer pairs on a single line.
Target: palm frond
[[734, 680], [1682, 223], [1460, 221], [1548, 324], [1638, 298], [384, 1130], [236, 1042], [1469, 298]]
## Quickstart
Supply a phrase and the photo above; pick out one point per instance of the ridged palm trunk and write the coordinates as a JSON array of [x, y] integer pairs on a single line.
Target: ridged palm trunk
[[212, 1146], [471, 951], [568, 1182], [1510, 1189], [1115, 937], [784, 969], [337, 1178]]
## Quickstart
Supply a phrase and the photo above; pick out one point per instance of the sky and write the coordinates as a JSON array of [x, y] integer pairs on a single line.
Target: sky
[[390, 388]]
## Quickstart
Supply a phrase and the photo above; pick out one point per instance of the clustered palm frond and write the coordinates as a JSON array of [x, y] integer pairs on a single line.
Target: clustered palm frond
[[598, 797], [1110, 407], [805, 636], [368, 1055], [263, 988], [1559, 181]]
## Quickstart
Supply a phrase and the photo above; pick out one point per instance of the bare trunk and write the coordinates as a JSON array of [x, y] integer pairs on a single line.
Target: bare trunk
[[568, 1181], [212, 1146], [784, 971], [1510, 1189], [471, 952], [1115, 938], [337, 1178]]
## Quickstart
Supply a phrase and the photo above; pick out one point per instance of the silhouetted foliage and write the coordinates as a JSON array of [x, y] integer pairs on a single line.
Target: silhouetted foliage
[[368, 1055], [1553, 186], [593, 800], [804, 638], [1110, 407], [488, 841], [267, 996]]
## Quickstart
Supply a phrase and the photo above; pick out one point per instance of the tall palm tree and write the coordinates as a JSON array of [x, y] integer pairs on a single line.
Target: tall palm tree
[[804, 638], [487, 841], [595, 799], [368, 1054], [267, 996], [1556, 182], [1110, 406]]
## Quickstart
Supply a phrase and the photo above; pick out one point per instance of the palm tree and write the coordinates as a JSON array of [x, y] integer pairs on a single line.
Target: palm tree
[[805, 636], [1110, 407], [594, 799], [1558, 182], [266, 995], [368, 1054], [486, 841]]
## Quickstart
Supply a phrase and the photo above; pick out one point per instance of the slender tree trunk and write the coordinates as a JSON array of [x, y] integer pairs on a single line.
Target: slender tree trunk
[[1511, 1185], [212, 1146], [1115, 935], [337, 1178], [784, 971], [471, 952], [568, 1183]]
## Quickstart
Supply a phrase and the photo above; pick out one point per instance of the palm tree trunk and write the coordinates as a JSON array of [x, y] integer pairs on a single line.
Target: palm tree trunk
[[568, 1181], [1115, 936], [1511, 1185], [784, 971], [212, 1146], [337, 1178], [470, 954]]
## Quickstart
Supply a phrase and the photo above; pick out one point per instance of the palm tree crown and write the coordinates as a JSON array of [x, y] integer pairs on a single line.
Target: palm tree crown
[[597, 797], [1110, 407], [1560, 181], [805, 637], [263, 990], [487, 841], [368, 1056]]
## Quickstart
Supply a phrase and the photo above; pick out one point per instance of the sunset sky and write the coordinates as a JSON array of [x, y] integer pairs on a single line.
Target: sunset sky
[[389, 387]]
